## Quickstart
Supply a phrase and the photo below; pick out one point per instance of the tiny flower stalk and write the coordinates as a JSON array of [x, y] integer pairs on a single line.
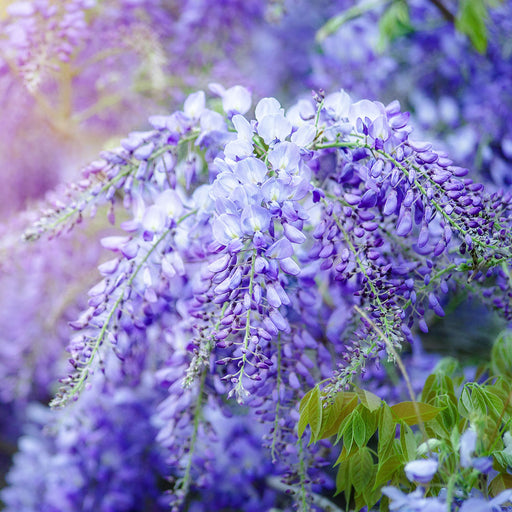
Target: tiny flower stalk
[[183, 486], [239, 390], [303, 476], [73, 385], [279, 383]]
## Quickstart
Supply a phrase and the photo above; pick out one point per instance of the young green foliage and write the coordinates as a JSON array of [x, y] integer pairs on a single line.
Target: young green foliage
[[471, 19], [467, 424]]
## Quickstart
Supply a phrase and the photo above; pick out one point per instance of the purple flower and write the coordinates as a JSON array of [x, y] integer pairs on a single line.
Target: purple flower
[[235, 100], [467, 447], [255, 218], [483, 505], [415, 501], [421, 471], [227, 228]]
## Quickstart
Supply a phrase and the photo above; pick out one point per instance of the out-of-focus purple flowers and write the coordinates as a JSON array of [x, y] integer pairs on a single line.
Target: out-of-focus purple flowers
[[468, 442], [103, 457], [421, 471], [416, 501]]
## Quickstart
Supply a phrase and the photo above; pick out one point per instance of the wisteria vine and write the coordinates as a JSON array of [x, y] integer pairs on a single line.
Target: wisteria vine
[[250, 250]]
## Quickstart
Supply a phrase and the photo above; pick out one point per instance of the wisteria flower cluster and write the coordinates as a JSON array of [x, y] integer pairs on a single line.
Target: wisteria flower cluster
[[261, 257], [458, 96]]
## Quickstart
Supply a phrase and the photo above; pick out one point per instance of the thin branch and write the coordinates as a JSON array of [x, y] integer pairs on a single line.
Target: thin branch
[[447, 14], [391, 348]]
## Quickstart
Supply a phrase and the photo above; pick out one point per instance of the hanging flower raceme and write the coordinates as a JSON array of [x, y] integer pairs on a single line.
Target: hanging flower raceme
[[256, 244]]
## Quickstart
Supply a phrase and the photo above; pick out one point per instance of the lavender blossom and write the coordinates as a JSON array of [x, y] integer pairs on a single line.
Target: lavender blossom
[[421, 471]]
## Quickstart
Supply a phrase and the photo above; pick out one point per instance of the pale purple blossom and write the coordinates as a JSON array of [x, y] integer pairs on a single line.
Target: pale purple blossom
[[421, 471]]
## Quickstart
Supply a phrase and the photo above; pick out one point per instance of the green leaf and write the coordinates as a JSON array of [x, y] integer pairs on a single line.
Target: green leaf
[[465, 404], [394, 23], [371, 495], [361, 469], [430, 445], [371, 420], [437, 384], [387, 469], [304, 414], [315, 413], [480, 399], [358, 429], [387, 430], [343, 479], [336, 22], [501, 354], [408, 412], [311, 413], [369, 400], [501, 391], [335, 412], [305, 399], [492, 401], [448, 366], [475, 400], [347, 411], [429, 389], [500, 483], [347, 431], [504, 459], [471, 20], [455, 438], [344, 455], [449, 416], [408, 442]]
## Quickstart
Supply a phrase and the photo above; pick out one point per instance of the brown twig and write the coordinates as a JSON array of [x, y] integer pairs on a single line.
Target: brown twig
[[447, 14]]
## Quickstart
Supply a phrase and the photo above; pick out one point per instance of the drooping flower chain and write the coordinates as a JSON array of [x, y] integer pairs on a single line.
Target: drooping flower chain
[[262, 236]]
